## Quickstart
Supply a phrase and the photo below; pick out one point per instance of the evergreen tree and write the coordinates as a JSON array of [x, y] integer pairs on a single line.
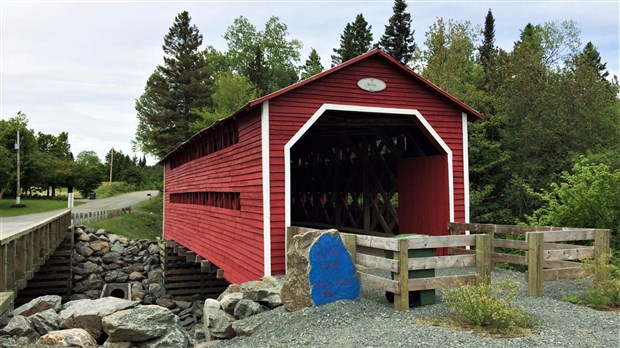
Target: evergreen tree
[[488, 40], [355, 40], [313, 65], [174, 92], [398, 38], [591, 57]]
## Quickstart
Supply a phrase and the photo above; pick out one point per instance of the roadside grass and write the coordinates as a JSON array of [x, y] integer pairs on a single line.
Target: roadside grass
[[144, 221], [31, 206], [106, 190]]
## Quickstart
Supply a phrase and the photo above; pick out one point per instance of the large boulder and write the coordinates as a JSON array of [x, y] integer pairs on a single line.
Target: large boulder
[[141, 323], [87, 314], [68, 338], [218, 323], [45, 321], [175, 337], [246, 308], [39, 304], [229, 302], [320, 271], [19, 326]]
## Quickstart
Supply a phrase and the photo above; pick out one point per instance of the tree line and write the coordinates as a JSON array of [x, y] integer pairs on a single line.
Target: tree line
[[47, 164], [552, 125]]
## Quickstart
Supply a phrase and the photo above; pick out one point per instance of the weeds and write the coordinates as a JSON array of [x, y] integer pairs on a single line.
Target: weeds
[[605, 277], [487, 308]]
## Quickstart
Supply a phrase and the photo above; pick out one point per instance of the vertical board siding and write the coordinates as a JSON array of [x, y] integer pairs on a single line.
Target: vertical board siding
[[231, 239], [290, 111]]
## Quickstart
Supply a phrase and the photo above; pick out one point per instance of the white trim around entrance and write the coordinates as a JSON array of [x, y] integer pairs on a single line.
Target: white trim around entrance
[[362, 109]]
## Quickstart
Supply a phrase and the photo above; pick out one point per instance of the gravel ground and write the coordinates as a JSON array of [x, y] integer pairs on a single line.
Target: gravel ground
[[372, 322]]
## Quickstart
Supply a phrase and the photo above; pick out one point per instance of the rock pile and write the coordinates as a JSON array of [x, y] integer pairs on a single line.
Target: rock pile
[[99, 258], [108, 321], [223, 318]]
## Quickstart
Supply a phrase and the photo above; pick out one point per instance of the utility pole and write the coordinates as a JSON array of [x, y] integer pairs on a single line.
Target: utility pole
[[111, 165], [18, 191]]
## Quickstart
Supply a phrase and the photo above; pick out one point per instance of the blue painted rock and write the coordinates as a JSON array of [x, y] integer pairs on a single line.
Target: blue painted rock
[[319, 271]]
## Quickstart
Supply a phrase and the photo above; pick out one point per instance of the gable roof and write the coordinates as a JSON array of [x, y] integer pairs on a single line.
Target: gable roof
[[376, 52]]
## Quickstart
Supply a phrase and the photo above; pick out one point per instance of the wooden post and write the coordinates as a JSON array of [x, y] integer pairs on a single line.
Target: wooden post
[[483, 258], [401, 300], [601, 243], [3, 268], [20, 262], [350, 242], [10, 266], [535, 249]]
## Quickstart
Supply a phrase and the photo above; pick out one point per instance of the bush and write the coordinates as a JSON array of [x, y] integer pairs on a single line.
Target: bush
[[606, 285], [488, 308]]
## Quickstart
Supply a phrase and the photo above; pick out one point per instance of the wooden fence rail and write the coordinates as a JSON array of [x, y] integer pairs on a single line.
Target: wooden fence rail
[[547, 255], [86, 217], [400, 264]]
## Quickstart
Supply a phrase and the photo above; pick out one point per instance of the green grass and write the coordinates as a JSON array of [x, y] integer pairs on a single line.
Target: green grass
[[144, 222], [106, 190], [31, 206]]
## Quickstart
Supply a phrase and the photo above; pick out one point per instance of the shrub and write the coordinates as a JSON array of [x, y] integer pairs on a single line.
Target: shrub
[[488, 308], [606, 290]]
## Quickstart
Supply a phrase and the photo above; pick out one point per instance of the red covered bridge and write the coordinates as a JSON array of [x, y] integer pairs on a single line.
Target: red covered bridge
[[367, 147]]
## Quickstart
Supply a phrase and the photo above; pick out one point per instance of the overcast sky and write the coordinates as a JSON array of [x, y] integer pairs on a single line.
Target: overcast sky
[[78, 66]]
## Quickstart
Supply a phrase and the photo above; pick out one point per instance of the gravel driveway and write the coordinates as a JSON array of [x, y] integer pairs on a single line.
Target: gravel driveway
[[372, 322]]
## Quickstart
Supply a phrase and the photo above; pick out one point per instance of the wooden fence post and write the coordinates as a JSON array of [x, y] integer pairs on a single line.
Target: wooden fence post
[[535, 249], [601, 243], [483, 258], [350, 242], [3, 268], [401, 300]]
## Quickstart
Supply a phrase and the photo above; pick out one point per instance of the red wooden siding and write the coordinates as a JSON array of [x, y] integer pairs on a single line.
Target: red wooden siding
[[289, 112], [231, 239]]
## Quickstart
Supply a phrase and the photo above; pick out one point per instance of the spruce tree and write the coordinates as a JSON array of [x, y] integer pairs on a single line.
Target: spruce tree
[[592, 58], [313, 65], [488, 41], [174, 92], [355, 40], [398, 38]]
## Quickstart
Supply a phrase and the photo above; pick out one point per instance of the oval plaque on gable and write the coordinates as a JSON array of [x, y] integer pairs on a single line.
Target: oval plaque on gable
[[371, 84]]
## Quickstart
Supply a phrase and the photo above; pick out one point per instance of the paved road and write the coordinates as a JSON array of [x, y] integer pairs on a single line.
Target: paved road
[[11, 225]]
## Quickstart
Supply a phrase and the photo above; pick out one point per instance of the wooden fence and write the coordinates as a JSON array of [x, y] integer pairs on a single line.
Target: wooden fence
[[24, 252], [360, 247], [545, 257], [86, 217]]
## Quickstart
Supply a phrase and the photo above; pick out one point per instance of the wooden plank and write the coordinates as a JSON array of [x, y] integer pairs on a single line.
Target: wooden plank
[[401, 299], [219, 274], [501, 229], [378, 242], [460, 251], [441, 241], [377, 262], [510, 243], [569, 235], [483, 257], [10, 266], [569, 254], [563, 273], [561, 264], [535, 251], [441, 262], [509, 258], [190, 256], [207, 267], [383, 284], [554, 246], [440, 282]]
